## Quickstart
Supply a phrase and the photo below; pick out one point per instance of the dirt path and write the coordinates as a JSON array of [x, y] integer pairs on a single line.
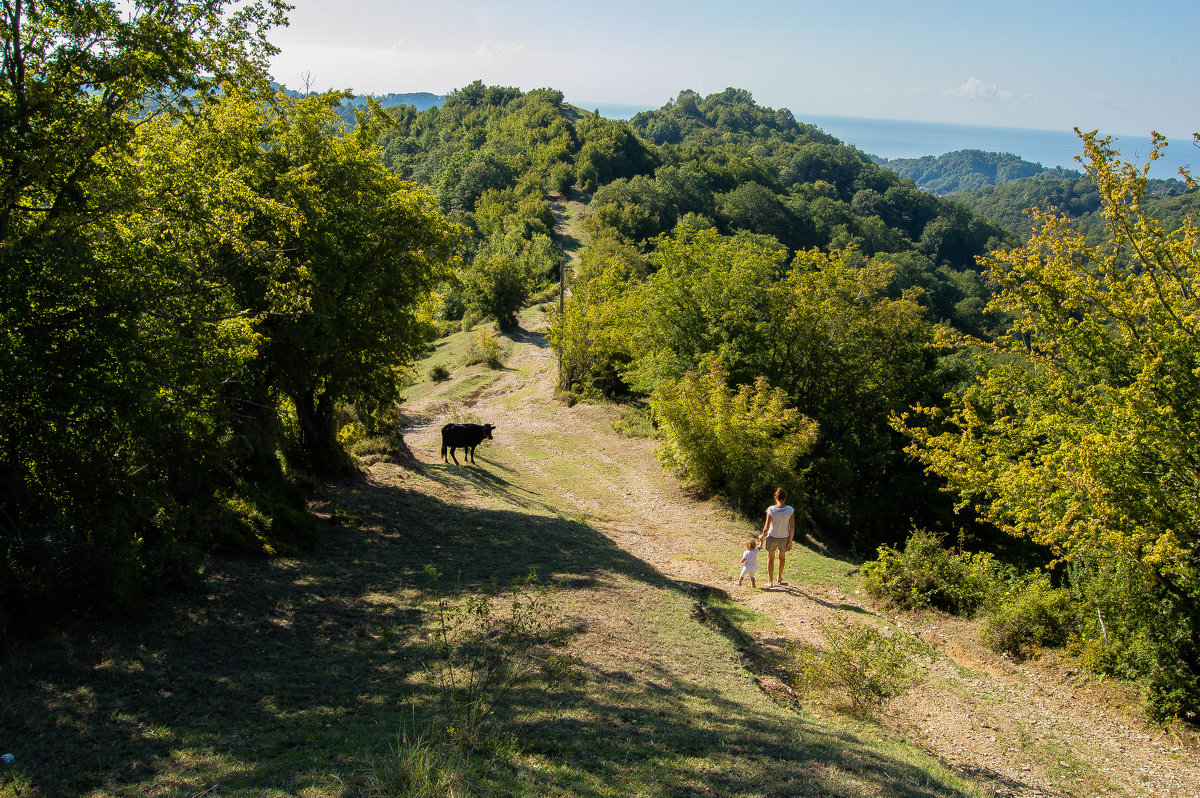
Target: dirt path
[[569, 212], [1029, 729]]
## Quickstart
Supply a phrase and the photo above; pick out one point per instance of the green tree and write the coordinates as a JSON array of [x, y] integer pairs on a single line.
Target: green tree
[[1084, 438], [608, 150], [755, 208], [114, 345], [367, 248], [592, 335], [828, 332], [702, 298], [504, 273], [743, 443], [849, 354]]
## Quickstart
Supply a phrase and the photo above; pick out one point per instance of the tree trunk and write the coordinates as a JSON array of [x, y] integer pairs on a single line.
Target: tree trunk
[[323, 455]]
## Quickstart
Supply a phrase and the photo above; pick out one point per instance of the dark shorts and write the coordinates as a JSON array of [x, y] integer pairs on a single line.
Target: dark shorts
[[776, 544]]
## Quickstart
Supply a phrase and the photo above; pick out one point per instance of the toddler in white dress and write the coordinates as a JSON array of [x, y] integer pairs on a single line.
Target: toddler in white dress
[[749, 562]]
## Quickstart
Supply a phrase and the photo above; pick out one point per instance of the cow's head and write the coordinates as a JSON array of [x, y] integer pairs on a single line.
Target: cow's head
[[487, 430]]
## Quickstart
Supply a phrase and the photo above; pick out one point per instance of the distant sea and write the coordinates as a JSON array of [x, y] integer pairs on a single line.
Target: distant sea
[[891, 138]]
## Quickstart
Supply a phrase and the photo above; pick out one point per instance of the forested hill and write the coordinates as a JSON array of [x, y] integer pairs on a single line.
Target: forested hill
[[209, 311], [759, 225], [780, 303], [1002, 188], [492, 155], [963, 170], [420, 100], [1074, 195]]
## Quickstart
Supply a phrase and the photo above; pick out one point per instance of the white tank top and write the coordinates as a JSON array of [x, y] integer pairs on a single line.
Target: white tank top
[[779, 520]]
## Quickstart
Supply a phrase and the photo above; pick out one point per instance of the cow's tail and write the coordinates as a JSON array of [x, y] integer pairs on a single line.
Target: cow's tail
[[443, 449]]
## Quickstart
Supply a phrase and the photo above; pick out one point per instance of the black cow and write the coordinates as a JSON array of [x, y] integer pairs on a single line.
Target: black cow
[[466, 437]]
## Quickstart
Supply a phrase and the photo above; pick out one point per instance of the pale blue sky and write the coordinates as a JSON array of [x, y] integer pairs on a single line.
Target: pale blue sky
[[1121, 67]]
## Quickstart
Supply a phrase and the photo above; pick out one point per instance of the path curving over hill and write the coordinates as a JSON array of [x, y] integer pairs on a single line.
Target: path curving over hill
[[1031, 729]]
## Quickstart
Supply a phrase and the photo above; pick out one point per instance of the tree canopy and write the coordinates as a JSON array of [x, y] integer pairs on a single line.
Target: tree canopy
[[192, 274], [1082, 435]]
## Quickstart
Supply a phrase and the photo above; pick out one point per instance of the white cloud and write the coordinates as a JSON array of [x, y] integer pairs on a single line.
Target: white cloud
[[489, 51], [976, 89]]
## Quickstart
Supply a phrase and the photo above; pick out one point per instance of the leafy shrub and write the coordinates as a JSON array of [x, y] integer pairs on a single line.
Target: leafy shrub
[[1032, 617], [544, 296], [485, 348], [742, 443], [262, 522], [340, 516], [861, 662], [1127, 630], [925, 574], [561, 178], [371, 430], [498, 285], [591, 335], [391, 446], [439, 373], [634, 423], [348, 434]]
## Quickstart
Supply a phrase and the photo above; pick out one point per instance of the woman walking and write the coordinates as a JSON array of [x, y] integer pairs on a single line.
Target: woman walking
[[778, 532]]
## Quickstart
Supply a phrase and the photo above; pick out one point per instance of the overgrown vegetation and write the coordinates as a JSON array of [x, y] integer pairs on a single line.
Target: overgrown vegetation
[[820, 332], [1034, 615], [181, 248], [743, 444], [213, 294], [859, 662], [485, 348], [1024, 613], [925, 574], [1080, 434]]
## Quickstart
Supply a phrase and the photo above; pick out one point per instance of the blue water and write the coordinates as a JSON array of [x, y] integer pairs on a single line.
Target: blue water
[[891, 138], [616, 110]]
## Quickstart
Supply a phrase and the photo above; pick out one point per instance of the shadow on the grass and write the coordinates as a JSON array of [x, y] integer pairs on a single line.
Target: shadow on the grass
[[285, 674], [724, 750]]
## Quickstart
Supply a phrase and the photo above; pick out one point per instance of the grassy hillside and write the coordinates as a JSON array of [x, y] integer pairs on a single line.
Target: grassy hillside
[[319, 676], [301, 676]]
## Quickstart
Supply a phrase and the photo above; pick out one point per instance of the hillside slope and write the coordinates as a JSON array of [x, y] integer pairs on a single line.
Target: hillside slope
[[305, 675], [1035, 728], [964, 170]]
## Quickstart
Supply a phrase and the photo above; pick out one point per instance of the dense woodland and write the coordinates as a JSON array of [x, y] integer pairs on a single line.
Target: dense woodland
[[968, 169], [1003, 188], [213, 293]]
